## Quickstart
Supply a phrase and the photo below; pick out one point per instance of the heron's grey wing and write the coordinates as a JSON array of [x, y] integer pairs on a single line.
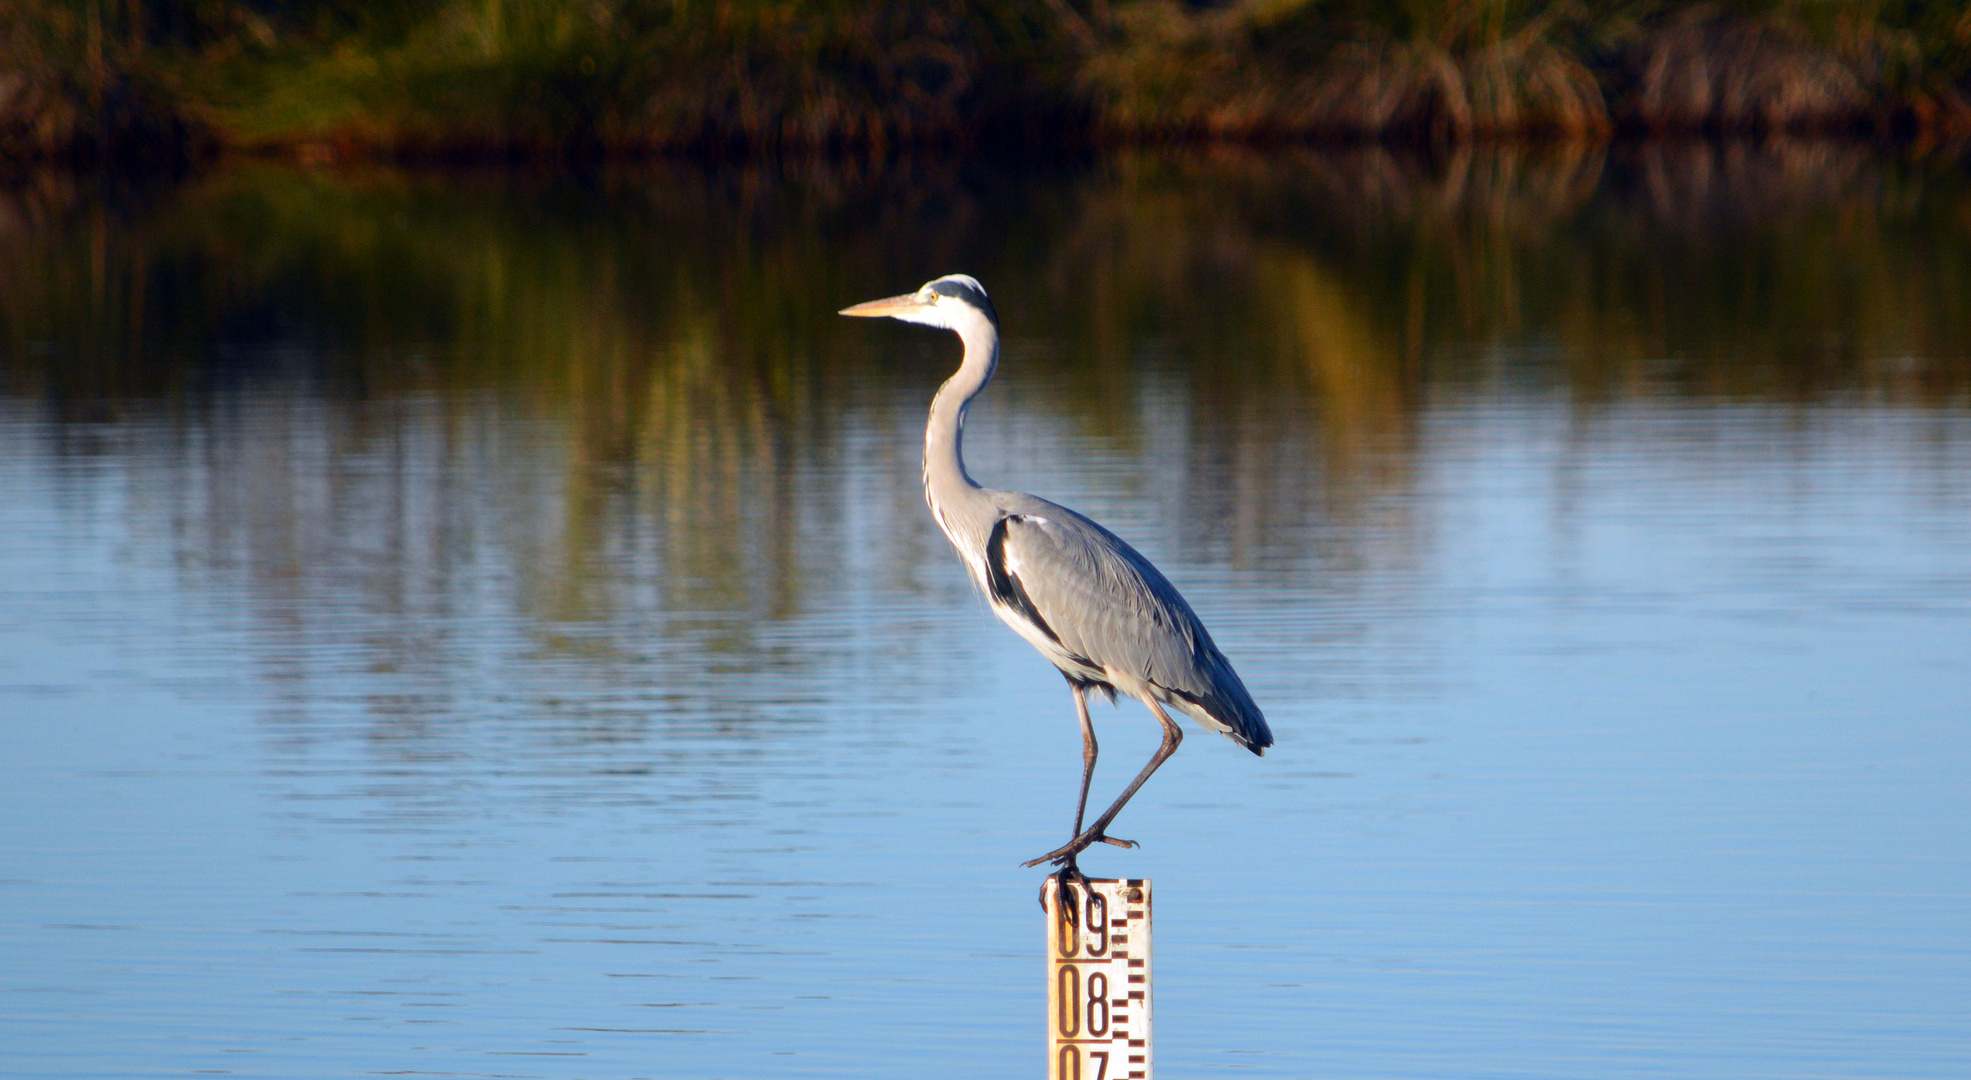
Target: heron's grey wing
[[1104, 602], [1082, 585]]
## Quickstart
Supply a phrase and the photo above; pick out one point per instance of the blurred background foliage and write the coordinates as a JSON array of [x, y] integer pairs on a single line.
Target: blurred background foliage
[[170, 78]]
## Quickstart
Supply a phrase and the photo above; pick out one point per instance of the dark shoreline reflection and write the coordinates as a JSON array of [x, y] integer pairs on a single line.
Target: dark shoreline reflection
[[1720, 257]]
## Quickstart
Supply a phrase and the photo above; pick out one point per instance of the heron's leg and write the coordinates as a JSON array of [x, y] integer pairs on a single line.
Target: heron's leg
[[1088, 751], [1070, 874], [1172, 736]]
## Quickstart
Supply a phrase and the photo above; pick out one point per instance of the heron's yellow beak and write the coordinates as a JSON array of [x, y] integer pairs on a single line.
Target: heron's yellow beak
[[895, 305]]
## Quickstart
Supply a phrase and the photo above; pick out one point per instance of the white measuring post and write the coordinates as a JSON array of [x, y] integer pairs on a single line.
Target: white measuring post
[[1098, 981]]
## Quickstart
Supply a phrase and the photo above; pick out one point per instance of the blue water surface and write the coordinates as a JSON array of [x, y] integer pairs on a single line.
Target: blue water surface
[[456, 725]]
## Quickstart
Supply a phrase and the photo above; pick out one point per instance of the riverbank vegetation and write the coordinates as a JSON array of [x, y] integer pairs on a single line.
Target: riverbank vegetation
[[169, 79]]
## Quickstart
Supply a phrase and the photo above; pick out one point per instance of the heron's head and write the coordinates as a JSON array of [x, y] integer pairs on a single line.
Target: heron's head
[[953, 302]]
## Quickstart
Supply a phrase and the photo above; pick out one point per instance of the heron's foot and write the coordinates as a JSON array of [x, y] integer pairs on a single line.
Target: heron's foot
[[1064, 881], [1065, 854]]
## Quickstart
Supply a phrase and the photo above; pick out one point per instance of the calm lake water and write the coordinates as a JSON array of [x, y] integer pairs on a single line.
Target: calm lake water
[[487, 625]]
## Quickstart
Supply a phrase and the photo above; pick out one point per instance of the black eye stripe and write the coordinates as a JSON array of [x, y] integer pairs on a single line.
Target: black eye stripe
[[959, 290]]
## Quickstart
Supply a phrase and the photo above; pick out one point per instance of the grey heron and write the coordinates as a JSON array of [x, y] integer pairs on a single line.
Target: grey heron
[[1094, 607]]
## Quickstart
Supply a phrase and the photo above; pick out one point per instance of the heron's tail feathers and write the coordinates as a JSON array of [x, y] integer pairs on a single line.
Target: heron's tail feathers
[[1229, 710]]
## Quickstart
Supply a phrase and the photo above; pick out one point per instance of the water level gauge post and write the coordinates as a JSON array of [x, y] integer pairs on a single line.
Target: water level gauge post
[[1098, 980]]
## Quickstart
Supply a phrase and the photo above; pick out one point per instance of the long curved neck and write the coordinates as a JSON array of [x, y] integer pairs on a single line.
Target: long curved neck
[[945, 479]]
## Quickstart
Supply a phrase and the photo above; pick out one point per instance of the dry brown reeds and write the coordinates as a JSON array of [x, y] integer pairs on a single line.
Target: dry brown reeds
[[1461, 69], [1743, 75], [1281, 69], [1700, 68]]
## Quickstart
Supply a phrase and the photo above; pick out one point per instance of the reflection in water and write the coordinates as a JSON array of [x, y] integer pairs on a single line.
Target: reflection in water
[[516, 590], [630, 305]]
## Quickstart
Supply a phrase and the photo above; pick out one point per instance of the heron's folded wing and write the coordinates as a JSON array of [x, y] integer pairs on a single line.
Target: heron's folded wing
[[1104, 603], [1102, 600]]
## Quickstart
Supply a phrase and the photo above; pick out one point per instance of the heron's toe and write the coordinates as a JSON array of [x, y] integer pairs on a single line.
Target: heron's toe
[[1063, 882]]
